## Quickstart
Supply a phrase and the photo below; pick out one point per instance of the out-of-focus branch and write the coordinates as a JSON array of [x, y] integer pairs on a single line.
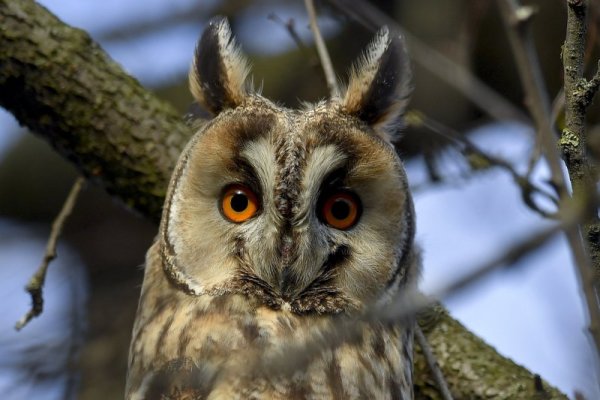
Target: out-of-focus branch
[[322, 50], [480, 94], [432, 363], [290, 27], [517, 20], [36, 283], [481, 159], [177, 16]]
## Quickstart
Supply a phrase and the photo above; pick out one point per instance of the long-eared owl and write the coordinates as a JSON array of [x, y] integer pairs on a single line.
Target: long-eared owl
[[278, 223]]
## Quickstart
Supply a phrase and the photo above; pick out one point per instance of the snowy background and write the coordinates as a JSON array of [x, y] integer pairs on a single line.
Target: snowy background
[[533, 314]]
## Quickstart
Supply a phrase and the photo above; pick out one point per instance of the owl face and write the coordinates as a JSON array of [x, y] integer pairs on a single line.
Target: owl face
[[301, 210]]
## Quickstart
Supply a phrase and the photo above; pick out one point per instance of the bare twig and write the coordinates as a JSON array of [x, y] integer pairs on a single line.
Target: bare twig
[[517, 20], [437, 373], [558, 107], [589, 88], [322, 50], [472, 152], [290, 27], [480, 94], [36, 283]]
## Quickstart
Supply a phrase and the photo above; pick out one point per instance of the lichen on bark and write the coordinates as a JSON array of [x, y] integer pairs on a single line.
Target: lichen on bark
[[583, 171]]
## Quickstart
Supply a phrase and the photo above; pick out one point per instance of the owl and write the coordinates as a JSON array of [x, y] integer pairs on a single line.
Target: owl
[[279, 223]]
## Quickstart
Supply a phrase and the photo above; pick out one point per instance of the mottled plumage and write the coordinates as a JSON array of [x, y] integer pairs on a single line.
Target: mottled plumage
[[278, 223]]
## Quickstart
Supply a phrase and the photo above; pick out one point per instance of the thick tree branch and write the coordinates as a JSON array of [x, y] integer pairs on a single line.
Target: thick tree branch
[[63, 87]]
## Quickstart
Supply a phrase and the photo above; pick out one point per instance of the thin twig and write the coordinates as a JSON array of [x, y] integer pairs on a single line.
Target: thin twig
[[481, 95], [557, 107], [470, 150], [517, 19], [438, 375], [290, 27], [322, 50], [590, 88], [36, 282]]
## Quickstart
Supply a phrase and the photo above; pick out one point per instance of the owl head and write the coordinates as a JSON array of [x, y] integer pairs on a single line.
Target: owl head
[[306, 210]]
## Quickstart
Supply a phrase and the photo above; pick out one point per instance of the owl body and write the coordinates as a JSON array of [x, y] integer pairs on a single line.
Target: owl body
[[278, 225], [210, 347]]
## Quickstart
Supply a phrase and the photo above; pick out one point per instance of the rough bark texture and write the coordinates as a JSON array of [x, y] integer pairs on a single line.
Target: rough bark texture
[[473, 369], [63, 87], [579, 93]]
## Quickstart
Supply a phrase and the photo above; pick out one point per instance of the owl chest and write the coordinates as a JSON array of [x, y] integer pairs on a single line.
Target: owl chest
[[229, 350]]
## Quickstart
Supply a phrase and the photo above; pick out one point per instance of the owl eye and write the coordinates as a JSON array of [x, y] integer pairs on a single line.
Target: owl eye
[[238, 203], [341, 210]]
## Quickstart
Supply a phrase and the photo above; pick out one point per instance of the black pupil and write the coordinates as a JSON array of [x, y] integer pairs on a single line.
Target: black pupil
[[239, 202], [340, 209]]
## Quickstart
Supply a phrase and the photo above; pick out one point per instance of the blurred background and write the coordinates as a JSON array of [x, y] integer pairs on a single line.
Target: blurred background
[[466, 214]]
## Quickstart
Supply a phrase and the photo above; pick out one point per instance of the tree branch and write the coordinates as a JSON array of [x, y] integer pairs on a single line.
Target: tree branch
[[36, 283], [473, 88], [322, 49], [478, 158], [432, 363], [578, 95], [63, 87]]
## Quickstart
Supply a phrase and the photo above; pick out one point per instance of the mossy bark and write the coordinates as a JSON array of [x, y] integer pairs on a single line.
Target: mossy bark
[[64, 88], [473, 369]]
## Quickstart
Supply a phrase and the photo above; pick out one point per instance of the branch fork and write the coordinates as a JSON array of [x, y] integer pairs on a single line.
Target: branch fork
[[586, 90]]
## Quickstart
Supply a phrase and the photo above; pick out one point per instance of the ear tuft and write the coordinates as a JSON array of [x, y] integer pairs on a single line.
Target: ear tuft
[[380, 85], [219, 70]]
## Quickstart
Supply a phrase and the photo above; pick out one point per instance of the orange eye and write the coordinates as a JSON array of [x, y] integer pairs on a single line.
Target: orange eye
[[238, 203], [341, 210]]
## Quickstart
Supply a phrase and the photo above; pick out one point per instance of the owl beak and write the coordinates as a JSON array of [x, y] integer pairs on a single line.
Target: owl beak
[[287, 280], [301, 268], [287, 284]]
